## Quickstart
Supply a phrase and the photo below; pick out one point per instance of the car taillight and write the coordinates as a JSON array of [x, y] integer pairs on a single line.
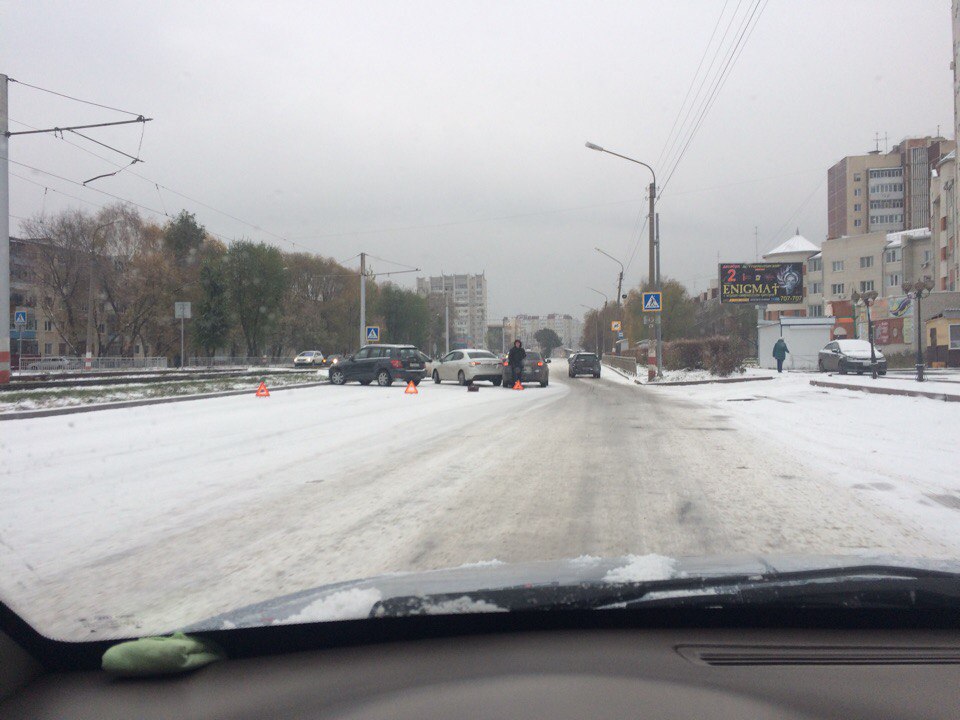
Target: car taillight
[[505, 363], [540, 364], [474, 363], [395, 363]]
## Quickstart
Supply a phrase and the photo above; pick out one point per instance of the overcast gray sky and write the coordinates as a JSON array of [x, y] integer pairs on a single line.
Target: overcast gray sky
[[450, 135]]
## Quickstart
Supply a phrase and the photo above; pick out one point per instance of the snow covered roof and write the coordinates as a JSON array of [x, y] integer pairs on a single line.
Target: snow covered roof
[[814, 257], [797, 244], [895, 239]]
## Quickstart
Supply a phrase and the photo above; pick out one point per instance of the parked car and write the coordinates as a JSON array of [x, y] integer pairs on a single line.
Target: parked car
[[308, 357], [845, 356], [466, 366], [381, 363], [53, 362], [535, 369], [584, 364]]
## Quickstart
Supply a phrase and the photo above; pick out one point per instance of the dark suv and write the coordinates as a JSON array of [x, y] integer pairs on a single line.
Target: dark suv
[[380, 363], [584, 364]]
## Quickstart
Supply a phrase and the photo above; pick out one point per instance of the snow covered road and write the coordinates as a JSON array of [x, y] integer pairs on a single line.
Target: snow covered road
[[135, 521]]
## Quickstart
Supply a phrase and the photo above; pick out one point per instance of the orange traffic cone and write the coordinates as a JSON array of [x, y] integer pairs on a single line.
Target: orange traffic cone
[[517, 385], [411, 389], [262, 390]]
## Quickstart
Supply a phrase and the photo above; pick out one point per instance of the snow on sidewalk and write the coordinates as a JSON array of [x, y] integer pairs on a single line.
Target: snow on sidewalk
[[899, 452]]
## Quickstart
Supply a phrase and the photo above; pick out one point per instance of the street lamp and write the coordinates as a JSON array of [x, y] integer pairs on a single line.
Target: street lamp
[[868, 298], [918, 290], [656, 341]]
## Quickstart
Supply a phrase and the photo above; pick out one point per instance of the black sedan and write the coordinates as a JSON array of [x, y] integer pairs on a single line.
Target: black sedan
[[844, 356]]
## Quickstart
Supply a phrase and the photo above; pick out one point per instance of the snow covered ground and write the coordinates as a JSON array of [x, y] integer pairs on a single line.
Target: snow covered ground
[[142, 520], [932, 384]]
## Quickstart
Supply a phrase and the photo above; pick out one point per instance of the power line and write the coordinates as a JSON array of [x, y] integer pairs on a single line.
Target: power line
[[70, 97]]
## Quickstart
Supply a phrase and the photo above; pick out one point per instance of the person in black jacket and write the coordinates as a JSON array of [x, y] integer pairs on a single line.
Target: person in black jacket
[[515, 359]]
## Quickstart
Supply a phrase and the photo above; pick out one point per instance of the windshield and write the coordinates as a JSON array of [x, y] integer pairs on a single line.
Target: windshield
[[269, 269]]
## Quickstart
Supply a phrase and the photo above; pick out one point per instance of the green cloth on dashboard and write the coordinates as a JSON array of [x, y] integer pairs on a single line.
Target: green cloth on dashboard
[[161, 655]]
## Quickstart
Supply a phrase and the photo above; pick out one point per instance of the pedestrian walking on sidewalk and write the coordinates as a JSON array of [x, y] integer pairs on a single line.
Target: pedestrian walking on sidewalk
[[780, 351]]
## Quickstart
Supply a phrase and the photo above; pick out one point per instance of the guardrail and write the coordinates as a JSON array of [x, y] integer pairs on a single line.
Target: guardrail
[[238, 361], [627, 363], [61, 362]]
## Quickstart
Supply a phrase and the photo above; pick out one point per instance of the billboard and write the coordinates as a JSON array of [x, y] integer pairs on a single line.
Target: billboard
[[761, 282]]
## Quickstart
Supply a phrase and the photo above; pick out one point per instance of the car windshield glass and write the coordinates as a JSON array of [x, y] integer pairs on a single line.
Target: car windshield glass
[[599, 293]]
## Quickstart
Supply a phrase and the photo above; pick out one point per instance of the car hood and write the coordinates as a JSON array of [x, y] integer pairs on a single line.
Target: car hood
[[356, 599], [863, 354]]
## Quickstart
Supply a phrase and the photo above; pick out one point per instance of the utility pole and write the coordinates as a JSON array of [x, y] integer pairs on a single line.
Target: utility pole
[[652, 358], [4, 237], [446, 315], [363, 299], [657, 319]]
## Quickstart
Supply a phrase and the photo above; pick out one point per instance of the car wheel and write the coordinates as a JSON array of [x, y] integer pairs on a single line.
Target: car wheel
[[859, 372], [461, 378], [544, 383], [497, 381], [337, 377], [436, 377], [596, 375], [384, 379], [820, 367]]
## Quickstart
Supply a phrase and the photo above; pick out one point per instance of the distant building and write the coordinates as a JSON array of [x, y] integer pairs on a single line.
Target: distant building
[[943, 225], [525, 327], [883, 192], [795, 249], [467, 296]]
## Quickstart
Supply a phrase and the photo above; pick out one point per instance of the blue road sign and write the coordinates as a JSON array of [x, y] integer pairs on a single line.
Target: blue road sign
[[20, 317], [652, 302], [373, 333], [619, 336]]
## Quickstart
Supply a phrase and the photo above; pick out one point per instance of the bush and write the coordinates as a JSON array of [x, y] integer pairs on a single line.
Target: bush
[[719, 355]]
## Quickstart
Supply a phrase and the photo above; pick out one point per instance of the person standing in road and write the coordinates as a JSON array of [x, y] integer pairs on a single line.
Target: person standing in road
[[515, 359], [780, 353]]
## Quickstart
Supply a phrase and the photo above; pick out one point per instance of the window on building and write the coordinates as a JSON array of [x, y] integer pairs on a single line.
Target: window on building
[[837, 289], [814, 310], [866, 261], [48, 348], [858, 222], [857, 192], [927, 256], [857, 207], [866, 285], [893, 280], [893, 255], [815, 265], [48, 325], [837, 266], [816, 288], [857, 177], [955, 337]]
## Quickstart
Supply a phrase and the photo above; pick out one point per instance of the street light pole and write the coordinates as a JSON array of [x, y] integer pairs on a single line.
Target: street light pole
[[656, 350], [917, 291]]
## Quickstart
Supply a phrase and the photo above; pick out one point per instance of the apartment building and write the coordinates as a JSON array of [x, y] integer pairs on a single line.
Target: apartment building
[[943, 225], [467, 298], [885, 192], [525, 327]]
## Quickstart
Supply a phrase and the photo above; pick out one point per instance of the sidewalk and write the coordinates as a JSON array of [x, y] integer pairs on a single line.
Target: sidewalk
[[935, 389]]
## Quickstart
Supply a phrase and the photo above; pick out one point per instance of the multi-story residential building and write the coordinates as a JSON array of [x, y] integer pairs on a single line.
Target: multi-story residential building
[[467, 297], [796, 249], [525, 327], [883, 192], [943, 224]]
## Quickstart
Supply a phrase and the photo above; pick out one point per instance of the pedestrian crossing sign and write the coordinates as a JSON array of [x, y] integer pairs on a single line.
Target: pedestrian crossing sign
[[373, 333], [20, 317], [652, 302]]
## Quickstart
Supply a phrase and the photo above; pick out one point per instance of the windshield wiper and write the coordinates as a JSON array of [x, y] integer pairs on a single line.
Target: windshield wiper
[[866, 586]]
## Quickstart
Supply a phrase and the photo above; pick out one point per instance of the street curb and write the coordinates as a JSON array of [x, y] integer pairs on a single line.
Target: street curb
[[888, 391], [52, 412], [718, 381]]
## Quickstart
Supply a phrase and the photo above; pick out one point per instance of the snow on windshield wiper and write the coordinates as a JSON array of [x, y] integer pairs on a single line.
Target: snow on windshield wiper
[[867, 586]]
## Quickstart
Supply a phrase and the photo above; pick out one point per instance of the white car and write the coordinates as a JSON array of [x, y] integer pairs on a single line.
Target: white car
[[308, 357], [466, 366], [51, 363]]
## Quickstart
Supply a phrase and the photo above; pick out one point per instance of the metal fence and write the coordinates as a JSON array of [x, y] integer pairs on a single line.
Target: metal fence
[[227, 361], [627, 363], [60, 362]]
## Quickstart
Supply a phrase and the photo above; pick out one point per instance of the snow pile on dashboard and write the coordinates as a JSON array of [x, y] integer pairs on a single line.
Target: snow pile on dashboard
[[461, 606], [352, 604], [641, 568]]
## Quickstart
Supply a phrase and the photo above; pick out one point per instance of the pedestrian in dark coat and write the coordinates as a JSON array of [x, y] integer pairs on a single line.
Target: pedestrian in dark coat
[[515, 359], [780, 353]]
